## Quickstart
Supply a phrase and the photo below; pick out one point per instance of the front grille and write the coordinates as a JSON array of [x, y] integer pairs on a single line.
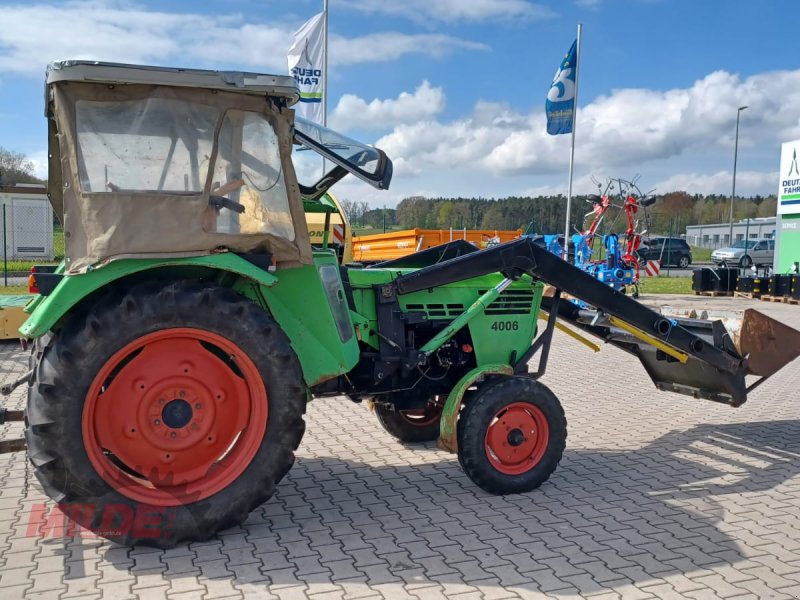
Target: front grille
[[438, 311], [511, 302]]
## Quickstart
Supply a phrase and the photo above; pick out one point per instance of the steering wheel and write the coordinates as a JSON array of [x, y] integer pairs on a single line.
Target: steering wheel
[[218, 199]]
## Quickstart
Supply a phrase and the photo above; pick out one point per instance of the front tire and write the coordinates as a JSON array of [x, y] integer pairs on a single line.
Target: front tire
[[745, 262], [511, 437], [683, 262], [165, 413]]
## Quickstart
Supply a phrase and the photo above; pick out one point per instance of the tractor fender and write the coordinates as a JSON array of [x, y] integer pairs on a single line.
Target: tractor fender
[[448, 440], [46, 311]]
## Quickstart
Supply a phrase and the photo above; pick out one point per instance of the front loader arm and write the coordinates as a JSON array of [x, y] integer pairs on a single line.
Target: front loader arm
[[708, 363]]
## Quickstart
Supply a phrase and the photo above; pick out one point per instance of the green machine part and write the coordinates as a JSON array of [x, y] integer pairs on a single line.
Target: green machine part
[[308, 302], [500, 331], [788, 243]]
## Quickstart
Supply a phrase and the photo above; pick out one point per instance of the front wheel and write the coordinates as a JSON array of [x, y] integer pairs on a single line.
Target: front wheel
[[745, 262], [511, 436], [165, 413], [683, 262]]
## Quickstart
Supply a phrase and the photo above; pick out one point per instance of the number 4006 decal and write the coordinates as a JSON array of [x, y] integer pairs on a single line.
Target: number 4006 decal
[[505, 326]]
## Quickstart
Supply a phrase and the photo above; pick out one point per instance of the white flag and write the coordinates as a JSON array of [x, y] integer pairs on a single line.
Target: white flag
[[306, 59]]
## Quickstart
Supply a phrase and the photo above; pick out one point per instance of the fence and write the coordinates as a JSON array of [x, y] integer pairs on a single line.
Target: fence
[[29, 238]]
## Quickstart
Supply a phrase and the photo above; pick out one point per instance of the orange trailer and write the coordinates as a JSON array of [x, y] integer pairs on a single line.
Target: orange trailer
[[396, 244]]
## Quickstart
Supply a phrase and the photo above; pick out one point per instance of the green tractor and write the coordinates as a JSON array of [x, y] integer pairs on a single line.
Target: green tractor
[[175, 349]]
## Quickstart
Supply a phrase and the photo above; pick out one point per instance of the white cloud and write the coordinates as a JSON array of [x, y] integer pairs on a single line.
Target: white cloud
[[386, 46], [353, 112], [33, 35], [453, 10], [748, 183], [40, 162], [627, 129]]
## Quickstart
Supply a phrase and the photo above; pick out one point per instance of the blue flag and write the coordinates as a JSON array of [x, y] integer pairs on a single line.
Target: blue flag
[[560, 103]]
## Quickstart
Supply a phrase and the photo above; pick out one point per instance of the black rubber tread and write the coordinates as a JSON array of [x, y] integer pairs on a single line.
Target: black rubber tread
[[37, 348], [407, 432], [78, 350], [475, 418]]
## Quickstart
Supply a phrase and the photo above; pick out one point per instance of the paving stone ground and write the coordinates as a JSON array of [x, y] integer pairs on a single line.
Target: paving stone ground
[[657, 496]]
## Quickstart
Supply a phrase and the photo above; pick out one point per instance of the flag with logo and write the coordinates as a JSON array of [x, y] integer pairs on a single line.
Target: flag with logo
[[560, 103], [306, 60]]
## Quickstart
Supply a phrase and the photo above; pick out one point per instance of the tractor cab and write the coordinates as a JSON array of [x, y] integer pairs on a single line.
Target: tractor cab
[[162, 162]]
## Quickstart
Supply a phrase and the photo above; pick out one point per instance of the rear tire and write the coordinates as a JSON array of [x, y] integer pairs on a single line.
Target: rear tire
[[511, 436], [118, 492], [683, 262], [411, 427]]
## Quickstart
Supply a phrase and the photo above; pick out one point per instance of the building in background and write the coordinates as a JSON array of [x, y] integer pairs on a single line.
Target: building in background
[[26, 222], [787, 244], [716, 235]]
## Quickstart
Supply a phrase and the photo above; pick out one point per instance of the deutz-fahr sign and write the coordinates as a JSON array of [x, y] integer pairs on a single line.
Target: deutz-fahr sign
[[789, 187]]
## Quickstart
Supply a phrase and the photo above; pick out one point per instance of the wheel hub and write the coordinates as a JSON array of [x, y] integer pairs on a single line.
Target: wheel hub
[[177, 413], [516, 438]]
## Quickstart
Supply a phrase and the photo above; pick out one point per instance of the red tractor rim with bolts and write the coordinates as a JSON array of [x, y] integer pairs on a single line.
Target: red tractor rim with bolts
[[516, 438], [168, 421]]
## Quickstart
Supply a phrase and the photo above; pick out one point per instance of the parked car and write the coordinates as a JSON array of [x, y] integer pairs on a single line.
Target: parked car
[[673, 252], [745, 253]]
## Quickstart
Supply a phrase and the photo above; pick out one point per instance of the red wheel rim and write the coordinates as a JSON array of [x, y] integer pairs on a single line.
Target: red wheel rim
[[168, 420], [516, 438]]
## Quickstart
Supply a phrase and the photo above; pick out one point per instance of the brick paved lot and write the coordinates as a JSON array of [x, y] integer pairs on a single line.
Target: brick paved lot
[[658, 496]]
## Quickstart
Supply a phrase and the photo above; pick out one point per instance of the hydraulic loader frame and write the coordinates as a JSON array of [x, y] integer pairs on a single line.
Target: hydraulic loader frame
[[709, 364]]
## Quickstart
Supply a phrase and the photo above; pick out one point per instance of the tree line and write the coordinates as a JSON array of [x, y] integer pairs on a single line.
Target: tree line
[[671, 213], [16, 168]]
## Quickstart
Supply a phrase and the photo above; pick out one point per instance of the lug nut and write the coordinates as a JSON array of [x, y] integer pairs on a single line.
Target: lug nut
[[157, 422], [173, 434], [198, 406]]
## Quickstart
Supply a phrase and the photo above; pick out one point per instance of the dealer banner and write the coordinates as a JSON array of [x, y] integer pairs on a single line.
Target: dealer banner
[[560, 102], [306, 59], [789, 188]]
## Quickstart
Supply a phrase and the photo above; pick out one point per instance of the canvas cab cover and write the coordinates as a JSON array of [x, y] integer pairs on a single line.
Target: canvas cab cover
[[162, 162]]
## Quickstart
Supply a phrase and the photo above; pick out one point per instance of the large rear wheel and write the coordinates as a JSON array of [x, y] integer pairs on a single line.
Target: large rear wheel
[[166, 413], [511, 436]]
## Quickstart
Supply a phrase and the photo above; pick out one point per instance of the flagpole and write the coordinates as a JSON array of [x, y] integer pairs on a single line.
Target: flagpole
[[572, 151], [325, 66]]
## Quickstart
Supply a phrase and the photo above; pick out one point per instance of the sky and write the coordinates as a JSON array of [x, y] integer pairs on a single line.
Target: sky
[[454, 90]]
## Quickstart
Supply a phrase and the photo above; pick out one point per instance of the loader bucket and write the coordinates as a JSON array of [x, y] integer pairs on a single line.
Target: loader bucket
[[768, 345], [750, 342]]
